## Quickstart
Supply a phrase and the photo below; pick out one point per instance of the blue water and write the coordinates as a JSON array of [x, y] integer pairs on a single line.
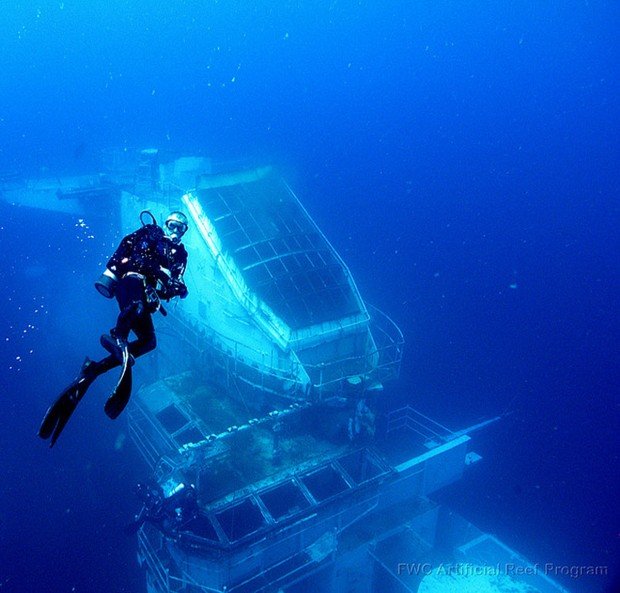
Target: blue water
[[462, 159]]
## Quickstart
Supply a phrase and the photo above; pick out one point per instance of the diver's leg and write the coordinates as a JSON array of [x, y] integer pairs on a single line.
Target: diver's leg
[[126, 320], [131, 302], [107, 364], [145, 332], [117, 347], [142, 326]]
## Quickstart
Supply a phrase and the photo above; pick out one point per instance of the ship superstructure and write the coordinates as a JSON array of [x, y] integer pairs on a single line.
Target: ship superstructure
[[263, 397], [270, 295]]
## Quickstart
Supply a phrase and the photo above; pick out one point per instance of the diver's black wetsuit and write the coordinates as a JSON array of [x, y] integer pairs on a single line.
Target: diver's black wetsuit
[[149, 265]]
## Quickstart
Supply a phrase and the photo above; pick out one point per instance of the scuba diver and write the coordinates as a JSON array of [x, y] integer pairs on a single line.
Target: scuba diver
[[167, 513], [147, 266]]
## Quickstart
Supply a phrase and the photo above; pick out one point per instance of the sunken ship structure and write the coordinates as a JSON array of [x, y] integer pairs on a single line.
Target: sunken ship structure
[[263, 398]]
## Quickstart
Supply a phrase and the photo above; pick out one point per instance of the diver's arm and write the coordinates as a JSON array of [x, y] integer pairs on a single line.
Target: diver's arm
[[168, 286], [179, 263], [175, 285], [172, 288]]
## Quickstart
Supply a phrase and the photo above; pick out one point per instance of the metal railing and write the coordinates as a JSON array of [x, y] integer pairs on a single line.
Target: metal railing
[[389, 342], [382, 363], [167, 582], [410, 419], [172, 577], [234, 351]]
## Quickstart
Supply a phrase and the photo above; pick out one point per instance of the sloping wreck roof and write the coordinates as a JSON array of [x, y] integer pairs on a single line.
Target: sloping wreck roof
[[281, 253]]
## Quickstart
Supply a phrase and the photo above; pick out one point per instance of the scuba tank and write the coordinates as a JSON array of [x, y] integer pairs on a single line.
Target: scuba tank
[[106, 283]]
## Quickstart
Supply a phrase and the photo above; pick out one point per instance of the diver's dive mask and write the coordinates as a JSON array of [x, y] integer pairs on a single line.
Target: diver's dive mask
[[176, 226]]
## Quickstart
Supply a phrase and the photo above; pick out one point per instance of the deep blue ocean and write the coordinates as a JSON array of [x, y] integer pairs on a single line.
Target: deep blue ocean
[[463, 158]]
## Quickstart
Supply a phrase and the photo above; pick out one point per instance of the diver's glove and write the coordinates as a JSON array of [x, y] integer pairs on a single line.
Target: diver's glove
[[182, 290], [175, 288]]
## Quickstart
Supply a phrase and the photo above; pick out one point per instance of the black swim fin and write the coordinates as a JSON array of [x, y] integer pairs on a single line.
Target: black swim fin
[[120, 396], [59, 413]]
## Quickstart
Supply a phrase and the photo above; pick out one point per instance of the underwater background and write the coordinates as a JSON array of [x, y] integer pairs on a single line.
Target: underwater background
[[462, 157]]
